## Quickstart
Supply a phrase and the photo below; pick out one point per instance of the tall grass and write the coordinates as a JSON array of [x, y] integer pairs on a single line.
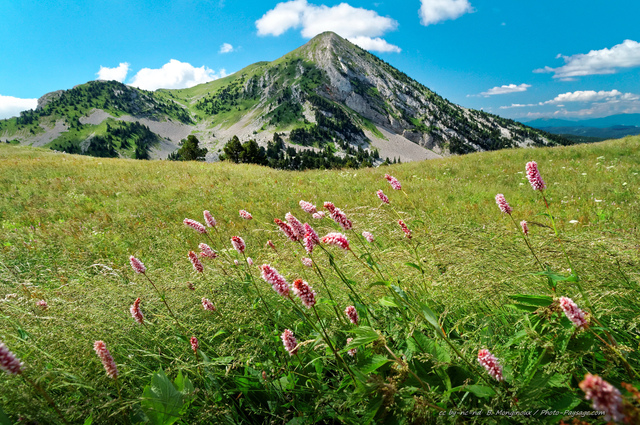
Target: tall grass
[[464, 281]]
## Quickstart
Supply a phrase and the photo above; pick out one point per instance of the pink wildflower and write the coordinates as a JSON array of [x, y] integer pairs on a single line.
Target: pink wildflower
[[382, 196], [42, 304], [405, 229], [296, 226], [286, 229], [207, 251], [573, 312], [534, 176], [338, 216], [525, 227], [208, 218], [250, 261], [503, 204], [198, 227], [368, 236], [8, 361], [195, 344], [136, 313], [271, 276], [489, 362], [208, 305], [271, 245], [137, 265], [395, 184], [236, 262], [318, 215], [605, 396], [353, 351], [304, 292], [107, 360], [238, 244], [289, 341], [337, 239], [307, 262], [311, 238], [245, 214], [197, 265], [308, 207], [352, 314]]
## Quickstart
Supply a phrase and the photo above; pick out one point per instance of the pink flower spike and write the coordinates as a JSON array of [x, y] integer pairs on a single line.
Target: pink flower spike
[[296, 226], [244, 214], [207, 251], [573, 312], [352, 314], [307, 262], [311, 238], [250, 261], [194, 344], [236, 262], [238, 244], [308, 207], [136, 313], [382, 196], [338, 216], [277, 282], [503, 204], [197, 265], [368, 236], [395, 184], [208, 305], [198, 227], [353, 351], [42, 304], [525, 227], [271, 245], [534, 176], [304, 292], [405, 229], [208, 218], [137, 265], [319, 215], [8, 361], [289, 342], [605, 397], [489, 362], [337, 239], [107, 360], [286, 229]]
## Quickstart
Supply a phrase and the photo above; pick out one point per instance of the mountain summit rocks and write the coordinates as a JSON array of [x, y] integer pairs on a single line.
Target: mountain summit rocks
[[329, 93]]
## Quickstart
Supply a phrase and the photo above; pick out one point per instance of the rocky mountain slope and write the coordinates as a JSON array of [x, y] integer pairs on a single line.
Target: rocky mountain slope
[[327, 93]]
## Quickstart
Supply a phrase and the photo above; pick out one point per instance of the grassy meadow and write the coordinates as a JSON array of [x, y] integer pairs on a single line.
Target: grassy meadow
[[465, 281]]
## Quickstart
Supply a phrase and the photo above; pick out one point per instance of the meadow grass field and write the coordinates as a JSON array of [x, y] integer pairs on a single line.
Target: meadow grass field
[[467, 280]]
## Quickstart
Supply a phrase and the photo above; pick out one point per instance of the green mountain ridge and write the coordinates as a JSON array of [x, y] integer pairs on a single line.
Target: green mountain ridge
[[327, 93]]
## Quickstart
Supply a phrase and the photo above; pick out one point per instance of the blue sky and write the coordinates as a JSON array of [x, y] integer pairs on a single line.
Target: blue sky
[[518, 59]]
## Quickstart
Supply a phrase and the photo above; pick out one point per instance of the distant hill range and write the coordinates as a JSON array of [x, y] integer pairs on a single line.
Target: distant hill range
[[611, 127], [326, 95]]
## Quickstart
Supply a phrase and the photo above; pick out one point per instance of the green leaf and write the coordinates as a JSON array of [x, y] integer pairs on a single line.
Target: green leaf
[[4, 419], [372, 410], [388, 302], [364, 335], [430, 317], [380, 283], [373, 363], [161, 401], [523, 307], [477, 390], [415, 266], [537, 300]]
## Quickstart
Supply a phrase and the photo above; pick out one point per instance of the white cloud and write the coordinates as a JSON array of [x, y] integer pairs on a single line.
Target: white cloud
[[589, 96], [596, 62], [226, 48], [361, 26], [12, 106], [511, 88], [434, 11], [174, 75], [376, 44], [118, 73]]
